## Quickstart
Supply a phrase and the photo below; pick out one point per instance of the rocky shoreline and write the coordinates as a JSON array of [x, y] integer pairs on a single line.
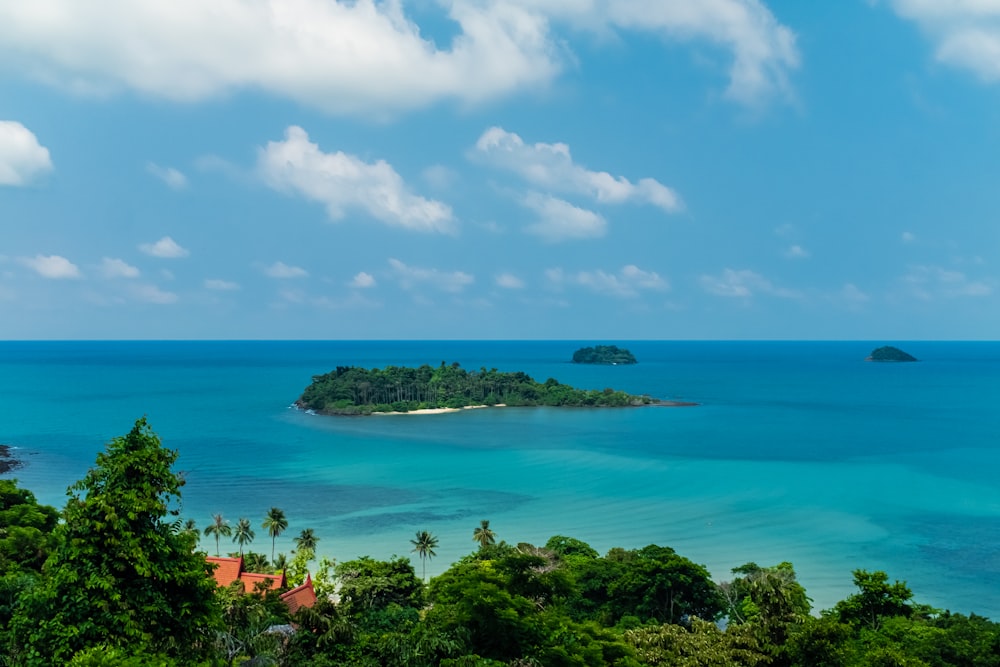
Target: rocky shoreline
[[7, 462]]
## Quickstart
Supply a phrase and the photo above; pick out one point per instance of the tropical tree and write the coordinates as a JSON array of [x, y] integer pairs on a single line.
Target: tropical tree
[[244, 533], [275, 523], [484, 534], [280, 563], [219, 528], [306, 541], [424, 544], [120, 576]]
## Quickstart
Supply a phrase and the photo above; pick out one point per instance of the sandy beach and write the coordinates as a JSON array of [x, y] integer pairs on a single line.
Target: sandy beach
[[438, 411]]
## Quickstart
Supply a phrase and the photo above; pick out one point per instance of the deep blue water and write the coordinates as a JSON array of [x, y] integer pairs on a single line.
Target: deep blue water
[[798, 451]]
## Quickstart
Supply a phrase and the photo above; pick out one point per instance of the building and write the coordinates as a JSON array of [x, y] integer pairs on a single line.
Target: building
[[228, 571]]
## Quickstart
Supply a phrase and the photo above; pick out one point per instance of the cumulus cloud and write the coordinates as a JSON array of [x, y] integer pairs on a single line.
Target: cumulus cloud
[[965, 33], [796, 252], [165, 248], [743, 284], [558, 220], [282, 270], [116, 268], [363, 57], [509, 281], [929, 282], [54, 267], [363, 280], [171, 177], [152, 294], [341, 181], [412, 277], [551, 166], [22, 158], [221, 285], [628, 282]]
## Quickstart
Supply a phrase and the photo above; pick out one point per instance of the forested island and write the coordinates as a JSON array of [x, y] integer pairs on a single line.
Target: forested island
[[889, 353], [119, 578], [603, 354], [349, 390]]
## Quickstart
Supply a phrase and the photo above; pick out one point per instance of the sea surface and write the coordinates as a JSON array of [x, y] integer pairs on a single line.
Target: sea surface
[[797, 451]]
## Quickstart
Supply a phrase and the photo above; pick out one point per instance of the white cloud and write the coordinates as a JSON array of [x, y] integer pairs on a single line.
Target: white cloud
[[559, 220], [165, 248], [153, 294], [362, 56], [117, 268], [440, 177], [173, 179], [628, 282], [22, 158], [551, 166], [342, 181], [509, 281], [852, 294], [743, 284], [363, 280], [221, 285], [52, 266], [411, 277], [796, 252], [908, 237], [282, 270], [342, 56], [966, 33], [929, 282]]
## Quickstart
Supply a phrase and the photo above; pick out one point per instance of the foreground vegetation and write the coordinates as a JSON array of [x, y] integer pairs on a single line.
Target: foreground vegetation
[[349, 390], [116, 579]]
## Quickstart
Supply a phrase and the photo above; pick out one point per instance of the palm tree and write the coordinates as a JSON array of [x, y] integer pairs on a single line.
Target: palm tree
[[244, 533], [275, 523], [424, 544], [484, 535], [281, 563], [306, 540], [220, 528]]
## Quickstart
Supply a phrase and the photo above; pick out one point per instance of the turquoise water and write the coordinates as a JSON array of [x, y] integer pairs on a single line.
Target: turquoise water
[[799, 451]]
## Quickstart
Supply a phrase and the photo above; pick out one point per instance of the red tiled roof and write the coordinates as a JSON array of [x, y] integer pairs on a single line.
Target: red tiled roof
[[229, 570], [272, 582], [300, 596]]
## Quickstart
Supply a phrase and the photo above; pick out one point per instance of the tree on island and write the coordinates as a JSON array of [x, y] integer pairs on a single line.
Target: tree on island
[[307, 540], [219, 528], [890, 353], [603, 354], [275, 523], [424, 544]]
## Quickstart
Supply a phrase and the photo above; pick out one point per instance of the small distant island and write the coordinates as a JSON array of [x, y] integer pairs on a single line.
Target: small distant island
[[603, 354], [889, 353], [349, 390]]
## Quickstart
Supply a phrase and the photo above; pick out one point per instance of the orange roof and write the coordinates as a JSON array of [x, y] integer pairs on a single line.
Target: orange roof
[[228, 570], [300, 596]]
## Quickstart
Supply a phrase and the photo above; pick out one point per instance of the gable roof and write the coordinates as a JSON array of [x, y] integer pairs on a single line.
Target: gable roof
[[300, 596], [229, 570]]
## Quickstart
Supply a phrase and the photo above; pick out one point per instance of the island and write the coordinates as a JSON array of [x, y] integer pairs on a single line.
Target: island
[[889, 353], [349, 390], [603, 354], [7, 460]]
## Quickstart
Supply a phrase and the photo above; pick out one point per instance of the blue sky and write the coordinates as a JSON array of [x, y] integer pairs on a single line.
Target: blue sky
[[573, 169]]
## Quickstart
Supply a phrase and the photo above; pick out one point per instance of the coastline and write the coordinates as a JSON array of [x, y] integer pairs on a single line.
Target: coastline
[[7, 462], [439, 411]]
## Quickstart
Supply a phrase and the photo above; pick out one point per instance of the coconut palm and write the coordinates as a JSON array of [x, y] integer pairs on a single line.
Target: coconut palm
[[281, 563], [275, 523], [424, 544], [484, 534], [306, 540], [219, 528], [244, 533]]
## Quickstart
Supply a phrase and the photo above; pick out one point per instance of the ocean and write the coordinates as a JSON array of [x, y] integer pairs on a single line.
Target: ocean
[[797, 451]]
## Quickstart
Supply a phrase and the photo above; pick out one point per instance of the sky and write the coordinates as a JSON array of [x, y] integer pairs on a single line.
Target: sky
[[500, 169]]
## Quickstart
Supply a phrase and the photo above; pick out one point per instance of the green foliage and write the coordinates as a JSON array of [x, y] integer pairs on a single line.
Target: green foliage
[[120, 575], [218, 528], [367, 584], [25, 529], [243, 534], [603, 354], [699, 644], [890, 353], [484, 535], [275, 523], [349, 390], [423, 545], [876, 600]]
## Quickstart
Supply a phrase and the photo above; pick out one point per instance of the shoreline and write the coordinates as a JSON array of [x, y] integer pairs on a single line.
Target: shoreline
[[7, 462], [439, 411]]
